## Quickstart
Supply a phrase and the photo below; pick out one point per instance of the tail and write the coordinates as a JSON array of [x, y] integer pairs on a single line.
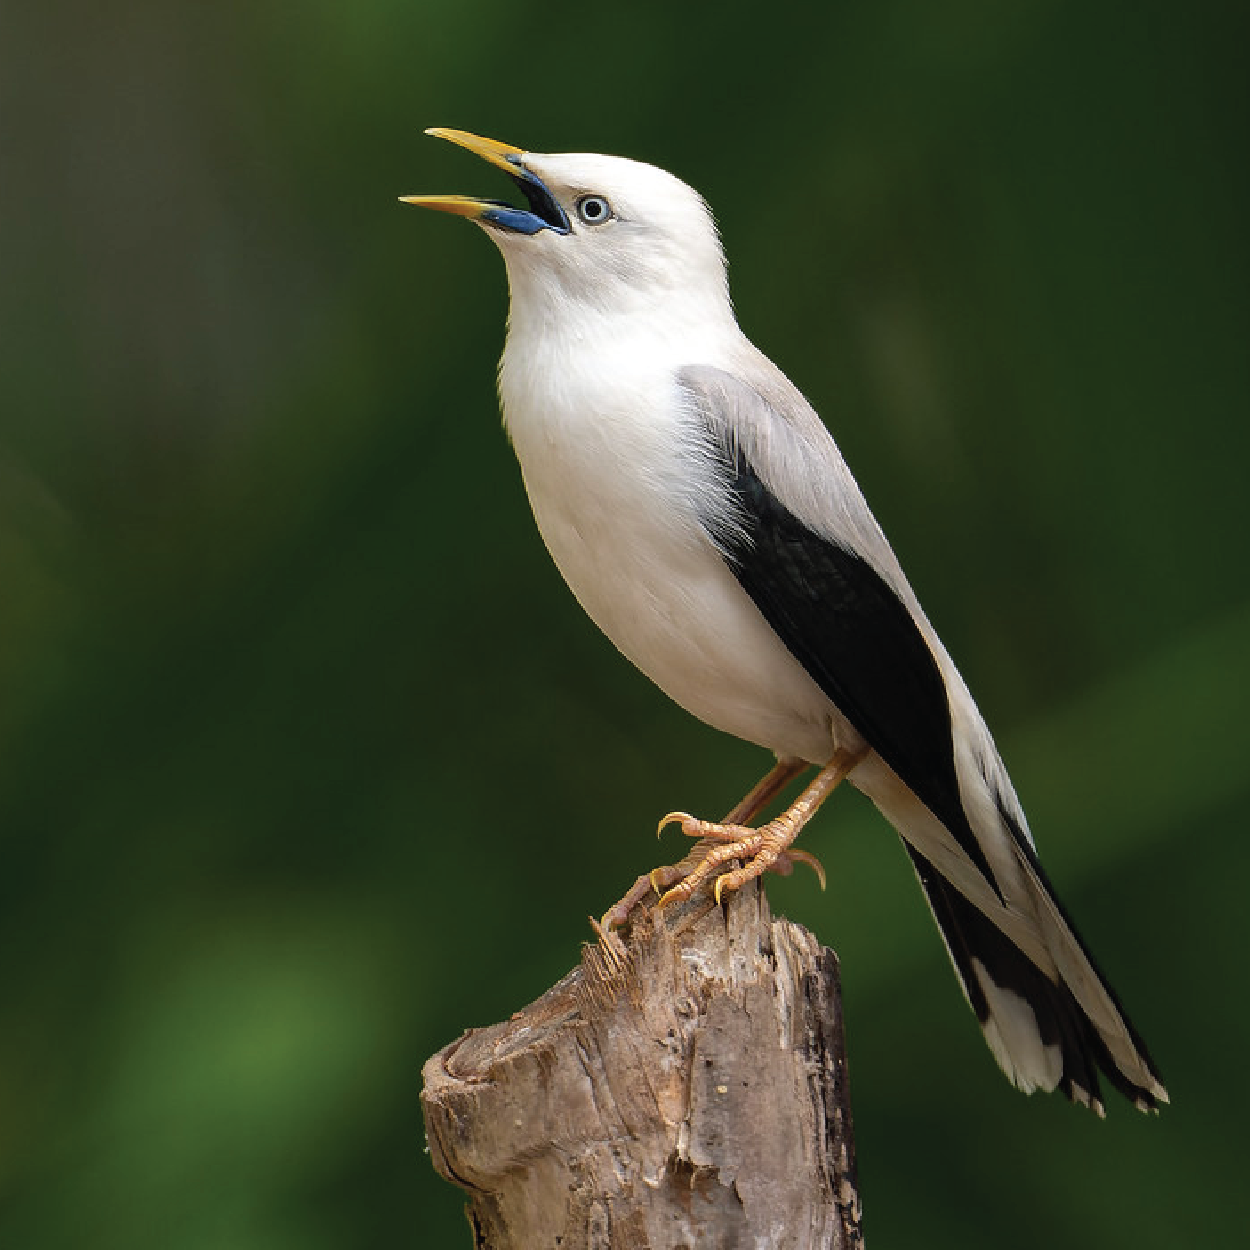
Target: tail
[[1045, 1033]]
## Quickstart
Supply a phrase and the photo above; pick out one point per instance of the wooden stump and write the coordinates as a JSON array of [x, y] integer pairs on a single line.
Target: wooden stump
[[687, 1090]]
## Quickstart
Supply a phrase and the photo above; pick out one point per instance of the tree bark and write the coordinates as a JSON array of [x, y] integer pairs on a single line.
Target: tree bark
[[686, 1090]]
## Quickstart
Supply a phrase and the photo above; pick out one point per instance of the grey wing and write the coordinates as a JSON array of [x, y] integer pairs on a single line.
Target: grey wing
[[794, 528], [803, 545]]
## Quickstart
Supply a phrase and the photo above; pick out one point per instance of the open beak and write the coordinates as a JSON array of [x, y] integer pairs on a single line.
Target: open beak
[[543, 211]]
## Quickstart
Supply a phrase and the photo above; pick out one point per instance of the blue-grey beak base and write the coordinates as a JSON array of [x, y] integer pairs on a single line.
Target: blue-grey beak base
[[516, 220], [544, 212]]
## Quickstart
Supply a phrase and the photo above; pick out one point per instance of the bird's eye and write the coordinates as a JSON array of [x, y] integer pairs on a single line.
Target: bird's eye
[[594, 210]]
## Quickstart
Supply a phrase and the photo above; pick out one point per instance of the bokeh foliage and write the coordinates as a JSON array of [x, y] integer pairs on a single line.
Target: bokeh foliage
[[307, 759]]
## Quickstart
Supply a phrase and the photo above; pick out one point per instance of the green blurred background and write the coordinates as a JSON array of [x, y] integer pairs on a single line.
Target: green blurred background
[[307, 759]]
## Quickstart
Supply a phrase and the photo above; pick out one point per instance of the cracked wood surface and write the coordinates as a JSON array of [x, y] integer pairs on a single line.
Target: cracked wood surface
[[688, 1089]]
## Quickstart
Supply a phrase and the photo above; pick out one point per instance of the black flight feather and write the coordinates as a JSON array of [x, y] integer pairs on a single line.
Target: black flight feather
[[1060, 1020], [848, 628], [843, 622]]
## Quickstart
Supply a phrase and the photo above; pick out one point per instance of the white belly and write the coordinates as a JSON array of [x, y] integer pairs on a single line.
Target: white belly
[[614, 501]]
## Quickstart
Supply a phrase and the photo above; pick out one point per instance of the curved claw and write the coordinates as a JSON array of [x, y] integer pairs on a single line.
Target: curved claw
[[806, 857], [670, 896], [673, 818]]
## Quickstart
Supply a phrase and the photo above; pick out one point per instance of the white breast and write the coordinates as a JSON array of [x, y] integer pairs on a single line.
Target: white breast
[[613, 479]]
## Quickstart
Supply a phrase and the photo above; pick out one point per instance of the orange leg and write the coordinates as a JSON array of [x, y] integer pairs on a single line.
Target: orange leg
[[659, 879], [759, 849], [778, 777], [768, 847]]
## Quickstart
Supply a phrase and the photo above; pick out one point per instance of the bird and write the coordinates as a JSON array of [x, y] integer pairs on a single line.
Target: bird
[[705, 519]]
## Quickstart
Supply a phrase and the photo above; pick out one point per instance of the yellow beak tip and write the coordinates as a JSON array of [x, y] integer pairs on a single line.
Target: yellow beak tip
[[501, 154]]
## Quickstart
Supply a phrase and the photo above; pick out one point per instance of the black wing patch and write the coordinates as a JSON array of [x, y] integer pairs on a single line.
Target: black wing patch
[[842, 621]]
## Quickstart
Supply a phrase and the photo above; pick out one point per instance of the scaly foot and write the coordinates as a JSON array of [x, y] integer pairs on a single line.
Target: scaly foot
[[660, 879], [758, 849], [762, 849]]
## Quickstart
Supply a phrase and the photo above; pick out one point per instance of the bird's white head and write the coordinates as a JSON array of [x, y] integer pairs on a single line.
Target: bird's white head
[[602, 232]]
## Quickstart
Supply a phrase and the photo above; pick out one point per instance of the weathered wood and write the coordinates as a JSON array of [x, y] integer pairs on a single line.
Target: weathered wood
[[688, 1090]]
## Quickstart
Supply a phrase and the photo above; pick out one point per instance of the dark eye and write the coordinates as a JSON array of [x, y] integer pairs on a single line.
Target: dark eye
[[594, 210]]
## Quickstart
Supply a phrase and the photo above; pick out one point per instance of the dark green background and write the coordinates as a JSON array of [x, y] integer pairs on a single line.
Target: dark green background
[[307, 759]]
